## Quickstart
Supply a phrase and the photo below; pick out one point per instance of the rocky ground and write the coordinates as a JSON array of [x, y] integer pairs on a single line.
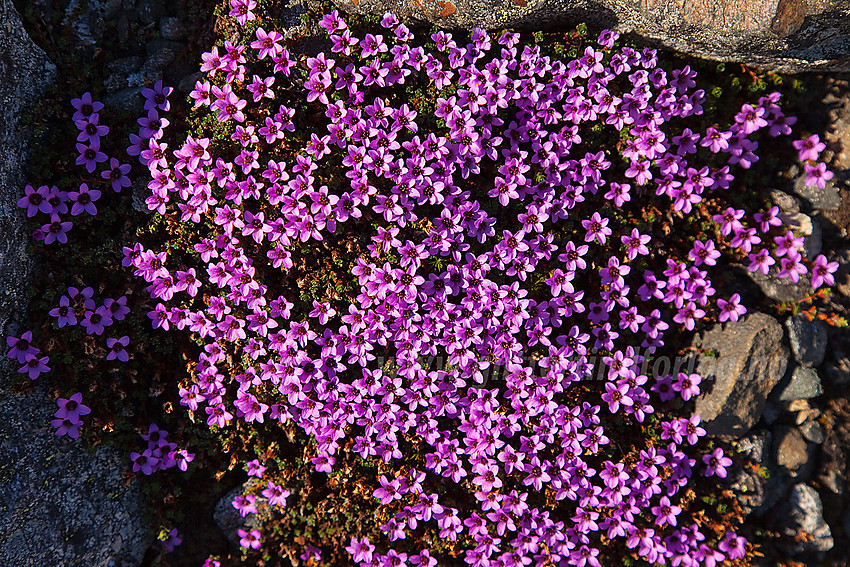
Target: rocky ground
[[781, 381]]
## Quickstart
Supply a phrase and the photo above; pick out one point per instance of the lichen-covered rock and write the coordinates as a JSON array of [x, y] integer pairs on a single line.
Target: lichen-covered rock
[[804, 514], [783, 35], [808, 339], [802, 383], [59, 504], [750, 357]]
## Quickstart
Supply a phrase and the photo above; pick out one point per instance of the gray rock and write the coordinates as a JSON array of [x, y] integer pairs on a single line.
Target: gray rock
[[62, 505], [173, 29], [804, 514], [813, 431], [59, 503], [128, 99], [228, 519], [187, 83], [801, 383], [751, 357], [122, 29], [832, 481], [786, 203], [157, 45], [838, 371], [771, 413], [121, 70], [808, 339], [152, 69], [781, 289], [826, 199], [149, 11], [748, 486], [22, 59], [793, 453], [785, 36]]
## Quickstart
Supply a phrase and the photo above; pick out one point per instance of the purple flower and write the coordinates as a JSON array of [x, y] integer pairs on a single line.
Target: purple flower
[[716, 463], [172, 540], [90, 155], [71, 408], [84, 200], [21, 348], [597, 228], [117, 348], [85, 107], [817, 175], [117, 175], [90, 130], [666, 512], [730, 310], [809, 148], [35, 200], [687, 385], [33, 366], [249, 539], [822, 272], [275, 494], [241, 10]]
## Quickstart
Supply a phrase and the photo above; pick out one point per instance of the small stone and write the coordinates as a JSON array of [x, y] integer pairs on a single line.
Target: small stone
[[808, 339], [149, 11], [173, 29], [786, 203], [187, 83], [128, 99], [804, 514], [838, 371], [157, 45], [798, 405], [806, 415], [826, 199], [813, 431], [771, 413], [125, 65], [792, 453], [832, 480], [141, 191], [122, 29], [156, 63], [802, 383]]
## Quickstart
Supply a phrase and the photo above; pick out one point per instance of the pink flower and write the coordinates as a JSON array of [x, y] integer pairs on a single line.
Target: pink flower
[[687, 385], [810, 148], [731, 310], [249, 539], [817, 175], [716, 463], [33, 366], [597, 228], [822, 272]]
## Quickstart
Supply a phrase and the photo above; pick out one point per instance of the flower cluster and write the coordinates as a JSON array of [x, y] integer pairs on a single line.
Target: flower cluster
[[502, 241], [67, 418], [78, 307], [26, 354], [53, 201], [160, 454]]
